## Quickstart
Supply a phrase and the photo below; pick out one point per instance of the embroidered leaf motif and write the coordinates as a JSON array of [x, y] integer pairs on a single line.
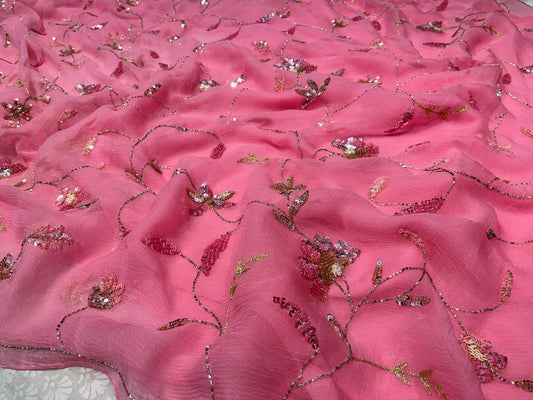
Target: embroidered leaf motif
[[442, 6], [217, 151], [89, 146], [435, 44], [251, 159], [507, 285], [119, 70], [298, 203], [526, 132], [212, 252], [377, 187], [152, 89], [46, 237], [378, 273], [413, 237], [404, 120], [226, 195], [283, 219], [240, 270], [425, 379], [303, 322], [6, 269], [444, 112], [430, 206], [174, 324], [525, 384], [399, 371], [155, 166], [161, 245], [433, 26], [412, 301], [336, 327], [424, 375]]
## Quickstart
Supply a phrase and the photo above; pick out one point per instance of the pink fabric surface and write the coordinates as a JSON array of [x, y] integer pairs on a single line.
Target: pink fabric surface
[[401, 131]]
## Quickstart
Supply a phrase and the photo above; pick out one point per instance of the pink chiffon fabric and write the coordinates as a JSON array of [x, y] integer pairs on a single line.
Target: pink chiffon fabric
[[368, 188]]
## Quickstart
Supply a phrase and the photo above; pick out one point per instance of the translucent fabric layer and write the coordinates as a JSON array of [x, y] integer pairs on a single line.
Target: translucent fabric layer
[[270, 199]]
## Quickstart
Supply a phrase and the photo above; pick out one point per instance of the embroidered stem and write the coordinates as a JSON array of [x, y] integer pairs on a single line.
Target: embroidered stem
[[209, 374], [219, 324], [58, 327], [492, 235], [299, 377], [240, 270]]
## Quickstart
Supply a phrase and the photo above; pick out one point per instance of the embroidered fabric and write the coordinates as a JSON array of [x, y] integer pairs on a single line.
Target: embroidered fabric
[[290, 199]]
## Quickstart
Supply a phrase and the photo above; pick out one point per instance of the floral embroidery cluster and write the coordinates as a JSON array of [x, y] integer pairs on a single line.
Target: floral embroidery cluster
[[355, 148], [17, 111], [299, 66], [322, 262], [70, 198], [106, 293], [204, 199]]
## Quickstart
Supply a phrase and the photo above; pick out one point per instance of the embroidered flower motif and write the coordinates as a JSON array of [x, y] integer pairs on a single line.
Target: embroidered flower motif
[[6, 269], [355, 148], [106, 293], [8, 168], [322, 262], [204, 199], [69, 51], [296, 65], [313, 92], [484, 360], [286, 188], [70, 198], [17, 111]]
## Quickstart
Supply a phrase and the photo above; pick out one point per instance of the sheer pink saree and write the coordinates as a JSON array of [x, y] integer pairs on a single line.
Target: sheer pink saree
[[269, 199]]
